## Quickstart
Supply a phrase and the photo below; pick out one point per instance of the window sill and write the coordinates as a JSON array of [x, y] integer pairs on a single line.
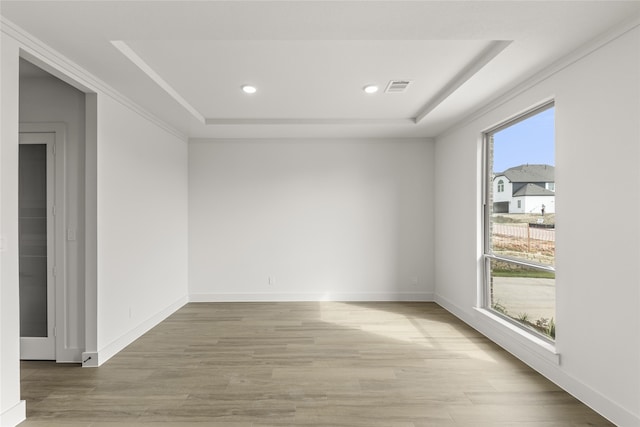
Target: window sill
[[507, 334]]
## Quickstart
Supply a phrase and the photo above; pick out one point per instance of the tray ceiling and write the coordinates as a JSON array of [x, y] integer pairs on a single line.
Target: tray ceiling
[[310, 60]]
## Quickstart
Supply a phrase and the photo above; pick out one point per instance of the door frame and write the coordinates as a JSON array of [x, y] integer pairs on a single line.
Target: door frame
[[59, 230]]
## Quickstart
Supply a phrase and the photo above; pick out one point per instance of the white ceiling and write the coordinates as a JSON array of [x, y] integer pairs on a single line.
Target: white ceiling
[[185, 61]]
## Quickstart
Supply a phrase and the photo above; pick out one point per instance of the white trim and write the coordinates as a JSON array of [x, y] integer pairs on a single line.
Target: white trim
[[14, 415], [110, 350], [521, 344], [410, 140], [310, 121], [507, 331], [45, 348], [321, 296], [546, 73], [52, 61], [487, 55], [91, 225], [90, 359], [132, 56], [62, 353], [494, 48], [543, 360]]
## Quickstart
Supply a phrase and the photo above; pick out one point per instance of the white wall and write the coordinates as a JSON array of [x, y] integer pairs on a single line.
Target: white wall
[[12, 409], [141, 226], [598, 245], [48, 99], [355, 219], [137, 190], [326, 219]]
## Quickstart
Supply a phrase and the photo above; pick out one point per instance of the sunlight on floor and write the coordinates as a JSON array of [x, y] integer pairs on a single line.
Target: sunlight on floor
[[421, 331]]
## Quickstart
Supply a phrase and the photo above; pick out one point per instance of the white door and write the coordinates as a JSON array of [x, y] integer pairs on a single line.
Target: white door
[[36, 246]]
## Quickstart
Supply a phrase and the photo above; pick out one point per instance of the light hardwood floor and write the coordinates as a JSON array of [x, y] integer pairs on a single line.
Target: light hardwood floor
[[303, 364]]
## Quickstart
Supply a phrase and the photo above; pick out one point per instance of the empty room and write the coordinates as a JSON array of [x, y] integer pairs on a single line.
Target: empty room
[[319, 213]]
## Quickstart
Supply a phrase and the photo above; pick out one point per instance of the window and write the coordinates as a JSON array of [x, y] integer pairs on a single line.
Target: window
[[500, 186], [519, 245]]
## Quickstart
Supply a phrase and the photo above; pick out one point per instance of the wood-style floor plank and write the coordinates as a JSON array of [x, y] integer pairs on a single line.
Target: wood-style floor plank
[[303, 364]]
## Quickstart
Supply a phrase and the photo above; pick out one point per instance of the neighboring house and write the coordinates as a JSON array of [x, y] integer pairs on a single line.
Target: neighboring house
[[525, 189]]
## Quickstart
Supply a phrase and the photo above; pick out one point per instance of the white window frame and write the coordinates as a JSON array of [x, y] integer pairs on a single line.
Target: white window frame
[[487, 255]]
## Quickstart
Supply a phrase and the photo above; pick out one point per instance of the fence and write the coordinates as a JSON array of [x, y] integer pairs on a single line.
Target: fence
[[523, 240], [524, 231]]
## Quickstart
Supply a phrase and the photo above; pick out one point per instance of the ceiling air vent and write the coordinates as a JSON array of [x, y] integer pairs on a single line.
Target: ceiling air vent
[[397, 86]]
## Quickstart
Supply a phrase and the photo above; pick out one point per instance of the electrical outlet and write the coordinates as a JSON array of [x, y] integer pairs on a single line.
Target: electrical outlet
[[414, 281], [272, 280]]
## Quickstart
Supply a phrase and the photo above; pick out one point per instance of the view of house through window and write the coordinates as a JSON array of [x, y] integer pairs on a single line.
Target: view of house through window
[[520, 221]]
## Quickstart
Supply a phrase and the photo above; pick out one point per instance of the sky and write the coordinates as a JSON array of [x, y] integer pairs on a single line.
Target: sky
[[530, 141]]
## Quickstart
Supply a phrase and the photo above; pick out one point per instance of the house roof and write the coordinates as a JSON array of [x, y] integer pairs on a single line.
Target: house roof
[[533, 190], [531, 173]]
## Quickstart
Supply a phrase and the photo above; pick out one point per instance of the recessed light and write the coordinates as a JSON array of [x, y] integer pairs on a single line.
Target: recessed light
[[249, 89], [371, 89]]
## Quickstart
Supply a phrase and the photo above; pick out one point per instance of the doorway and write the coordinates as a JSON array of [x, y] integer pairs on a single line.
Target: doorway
[[36, 233], [53, 103]]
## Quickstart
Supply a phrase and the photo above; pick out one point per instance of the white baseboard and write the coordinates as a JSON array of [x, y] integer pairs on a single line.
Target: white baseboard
[[90, 359], [553, 371], [69, 355], [14, 415], [110, 350], [327, 296]]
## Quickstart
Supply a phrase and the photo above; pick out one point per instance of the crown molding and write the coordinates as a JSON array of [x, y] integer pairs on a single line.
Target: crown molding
[[494, 48], [546, 73], [151, 73], [483, 58], [54, 62], [299, 140], [308, 121]]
